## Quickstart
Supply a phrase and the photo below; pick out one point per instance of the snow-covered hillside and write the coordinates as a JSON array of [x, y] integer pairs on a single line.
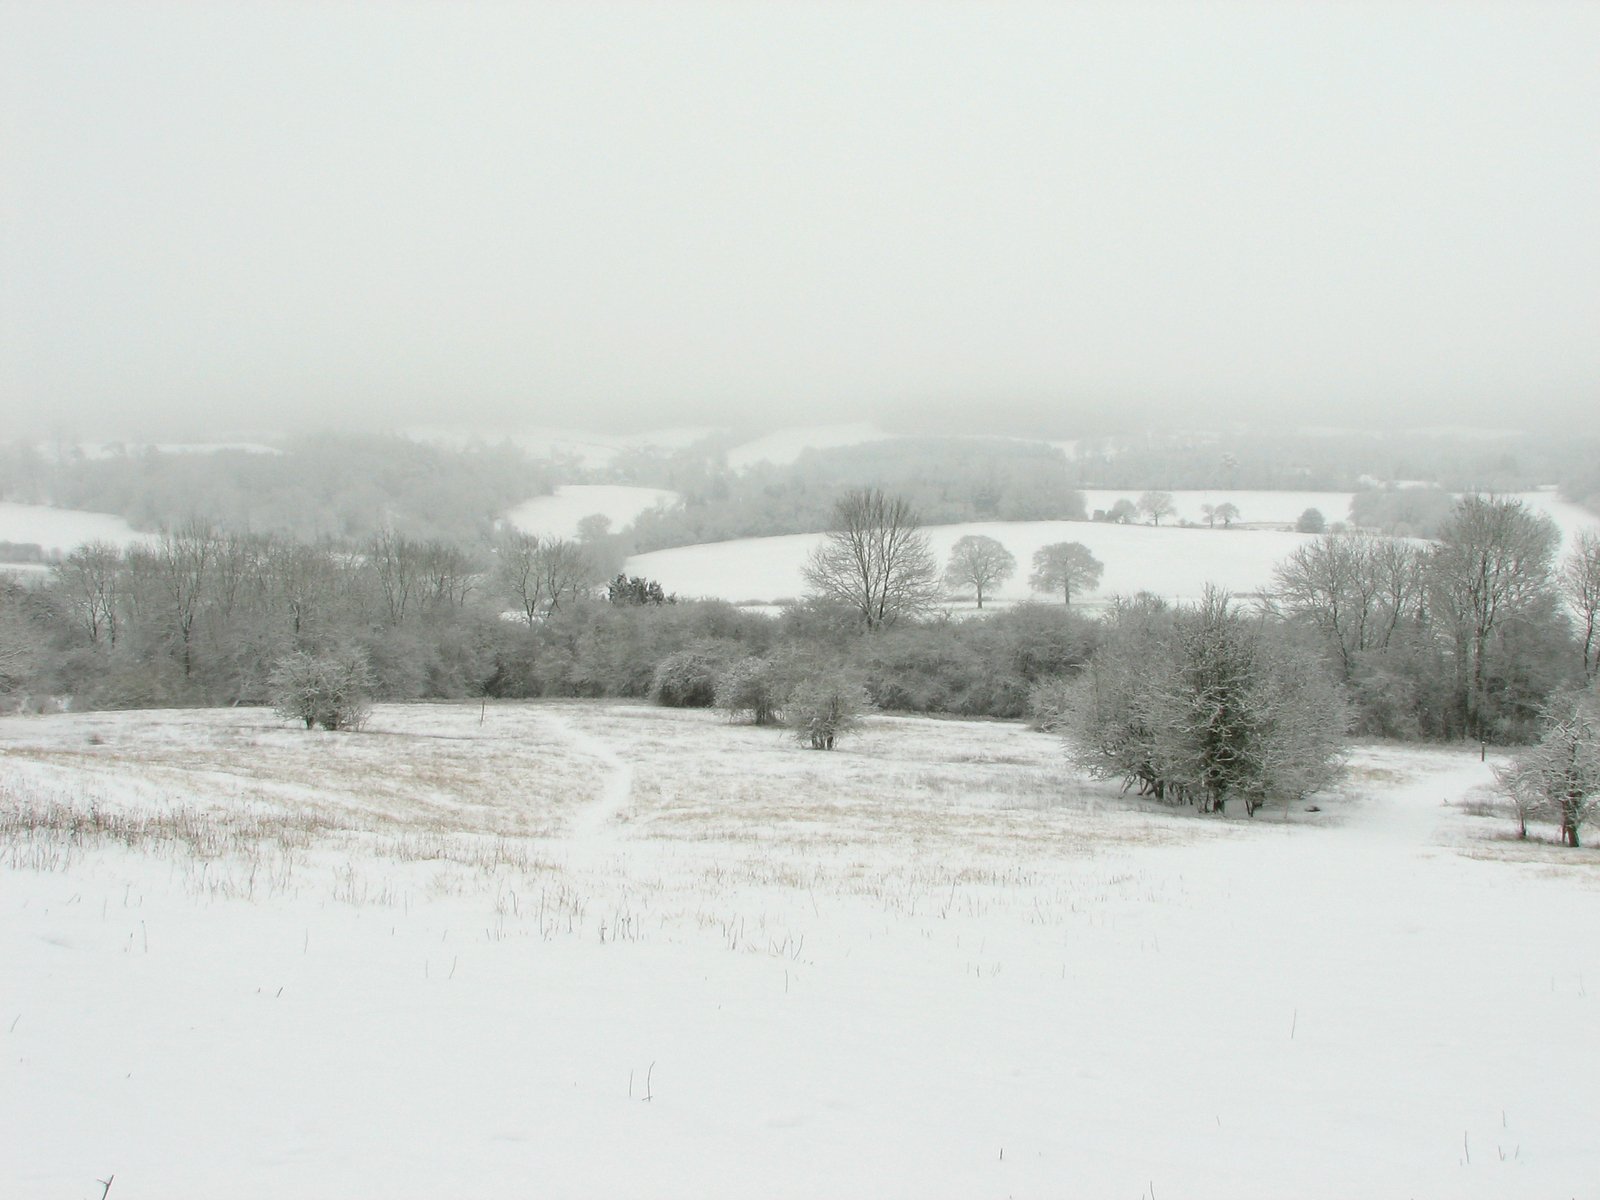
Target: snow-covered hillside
[[607, 950], [558, 515], [60, 529]]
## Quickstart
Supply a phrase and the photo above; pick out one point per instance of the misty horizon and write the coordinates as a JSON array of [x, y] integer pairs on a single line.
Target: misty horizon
[[1040, 218]]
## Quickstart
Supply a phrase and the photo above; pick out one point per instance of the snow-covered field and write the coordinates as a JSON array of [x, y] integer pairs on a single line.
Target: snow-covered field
[[1172, 562], [602, 949], [60, 529], [1571, 519], [558, 515]]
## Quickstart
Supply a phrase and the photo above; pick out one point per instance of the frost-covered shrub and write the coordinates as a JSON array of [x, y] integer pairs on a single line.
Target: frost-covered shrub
[[750, 685], [331, 690], [824, 705], [687, 679], [1559, 778], [1050, 704]]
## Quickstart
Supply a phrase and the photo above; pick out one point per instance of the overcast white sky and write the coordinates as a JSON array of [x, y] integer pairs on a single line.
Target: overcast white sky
[[250, 215]]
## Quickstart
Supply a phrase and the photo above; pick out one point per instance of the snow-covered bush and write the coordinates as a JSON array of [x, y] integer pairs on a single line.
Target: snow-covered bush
[[753, 686], [823, 705], [687, 679], [1559, 778], [1198, 704], [332, 690], [1049, 703]]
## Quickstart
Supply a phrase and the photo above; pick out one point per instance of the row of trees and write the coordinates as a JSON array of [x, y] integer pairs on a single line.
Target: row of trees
[[876, 561]]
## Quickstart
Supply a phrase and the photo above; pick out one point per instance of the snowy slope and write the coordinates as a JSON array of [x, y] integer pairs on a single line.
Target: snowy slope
[[558, 515], [61, 529], [606, 950]]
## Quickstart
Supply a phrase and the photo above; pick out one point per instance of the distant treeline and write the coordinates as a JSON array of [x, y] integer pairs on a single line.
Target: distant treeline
[[1340, 461], [337, 486]]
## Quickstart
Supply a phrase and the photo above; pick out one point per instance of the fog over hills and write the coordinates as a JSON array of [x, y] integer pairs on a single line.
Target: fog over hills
[[1028, 218]]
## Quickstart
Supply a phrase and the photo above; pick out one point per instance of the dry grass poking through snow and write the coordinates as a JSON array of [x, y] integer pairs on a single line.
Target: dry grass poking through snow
[[907, 810], [933, 962]]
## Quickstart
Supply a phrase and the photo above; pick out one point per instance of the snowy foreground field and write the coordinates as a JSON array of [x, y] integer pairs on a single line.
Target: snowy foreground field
[[571, 949]]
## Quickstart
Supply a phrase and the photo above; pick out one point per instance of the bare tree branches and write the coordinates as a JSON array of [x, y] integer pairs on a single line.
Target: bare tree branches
[[1579, 582], [876, 561]]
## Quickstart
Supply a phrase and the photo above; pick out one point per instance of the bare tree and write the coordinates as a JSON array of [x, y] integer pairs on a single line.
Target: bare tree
[[303, 582], [1227, 512], [876, 561], [89, 578], [1156, 505], [1353, 589], [1560, 776], [17, 645], [1580, 587], [1493, 565], [395, 561], [184, 561], [980, 563], [539, 574], [1064, 566]]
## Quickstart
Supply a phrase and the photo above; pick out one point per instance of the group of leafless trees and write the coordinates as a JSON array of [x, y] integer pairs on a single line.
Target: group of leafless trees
[[1467, 635], [877, 562], [204, 615]]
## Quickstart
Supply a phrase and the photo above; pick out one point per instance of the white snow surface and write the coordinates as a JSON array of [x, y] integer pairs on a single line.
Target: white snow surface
[[606, 950], [1172, 562], [1571, 519], [558, 515], [61, 529]]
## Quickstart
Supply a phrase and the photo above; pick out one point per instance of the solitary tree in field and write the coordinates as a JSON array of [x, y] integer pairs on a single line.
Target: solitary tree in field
[[1063, 567], [1311, 521], [1227, 512], [1156, 505], [876, 560], [980, 563]]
